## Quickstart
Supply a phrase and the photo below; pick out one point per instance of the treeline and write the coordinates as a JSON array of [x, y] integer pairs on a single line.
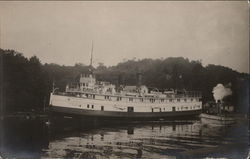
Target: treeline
[[26, 83]]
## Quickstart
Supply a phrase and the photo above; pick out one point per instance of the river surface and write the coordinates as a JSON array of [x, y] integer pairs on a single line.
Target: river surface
[[160, 140]]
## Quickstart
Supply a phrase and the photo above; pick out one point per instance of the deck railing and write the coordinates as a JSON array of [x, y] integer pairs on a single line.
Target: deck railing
[[186, 94]]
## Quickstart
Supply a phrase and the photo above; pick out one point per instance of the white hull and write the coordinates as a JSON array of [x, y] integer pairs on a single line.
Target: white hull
[[124, 107]]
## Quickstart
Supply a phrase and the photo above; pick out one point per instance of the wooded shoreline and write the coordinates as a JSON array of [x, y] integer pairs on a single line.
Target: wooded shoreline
[[26, 83]]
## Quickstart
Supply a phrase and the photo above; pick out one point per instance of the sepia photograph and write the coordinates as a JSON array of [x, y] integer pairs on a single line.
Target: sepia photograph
[[124, 79]]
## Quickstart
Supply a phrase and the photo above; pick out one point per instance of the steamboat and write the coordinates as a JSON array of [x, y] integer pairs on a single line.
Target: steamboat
[[91, 98], [98, 99], [218, 114]]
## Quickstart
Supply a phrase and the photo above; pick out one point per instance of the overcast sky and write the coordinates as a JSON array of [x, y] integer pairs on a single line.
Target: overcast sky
[[62, 32]]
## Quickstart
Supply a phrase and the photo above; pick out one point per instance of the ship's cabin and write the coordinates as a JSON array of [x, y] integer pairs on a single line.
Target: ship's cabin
[[87, 81], [88, 85]]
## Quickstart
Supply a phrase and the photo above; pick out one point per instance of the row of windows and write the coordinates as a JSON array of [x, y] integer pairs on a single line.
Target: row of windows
[[152, 100], [92, 106], [107, 97], [91, 96], [174, 108], [131, 109], [159, 109], [119, 98]]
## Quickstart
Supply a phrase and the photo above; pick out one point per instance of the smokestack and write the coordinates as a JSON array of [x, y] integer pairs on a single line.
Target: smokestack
[[139, 79]]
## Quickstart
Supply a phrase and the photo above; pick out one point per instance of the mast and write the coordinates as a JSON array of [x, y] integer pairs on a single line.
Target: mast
[[91, 58]]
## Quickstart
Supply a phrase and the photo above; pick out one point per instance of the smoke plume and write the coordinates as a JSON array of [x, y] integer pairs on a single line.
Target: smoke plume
[[221, 91]]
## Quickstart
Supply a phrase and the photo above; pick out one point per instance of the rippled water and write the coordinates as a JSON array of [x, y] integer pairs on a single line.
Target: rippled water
[[168, 139]]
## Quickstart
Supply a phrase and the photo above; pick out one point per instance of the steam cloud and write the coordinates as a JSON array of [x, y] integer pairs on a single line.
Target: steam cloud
[[221, 92]]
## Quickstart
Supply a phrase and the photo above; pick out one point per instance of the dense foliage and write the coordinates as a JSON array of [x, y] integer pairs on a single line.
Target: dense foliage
[[27, 83]]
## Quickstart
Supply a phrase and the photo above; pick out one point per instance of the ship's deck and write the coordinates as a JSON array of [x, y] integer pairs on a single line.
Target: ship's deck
[[77, 92]]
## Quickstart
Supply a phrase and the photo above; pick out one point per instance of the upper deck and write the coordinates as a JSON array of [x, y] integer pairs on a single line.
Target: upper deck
[[155, 96], [88, 87]]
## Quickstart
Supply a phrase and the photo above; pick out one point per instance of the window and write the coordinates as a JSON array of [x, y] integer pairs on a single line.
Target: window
[[152, 100], [178, 100], [162, 100], [141, 99], [160, 109], [152, 109], [102, 108], [130, 99], [192, 99], [87, 105], [106, 97], [170, 100], [119, 98], [93, 96], [130, 109], [185, 100], [173, 109], [92, 106]]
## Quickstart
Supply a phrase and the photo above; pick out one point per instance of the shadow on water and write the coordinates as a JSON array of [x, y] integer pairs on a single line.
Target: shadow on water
[[21, 138], [84, 139]]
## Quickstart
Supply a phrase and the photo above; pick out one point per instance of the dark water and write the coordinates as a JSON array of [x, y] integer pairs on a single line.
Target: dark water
[[166, 140]]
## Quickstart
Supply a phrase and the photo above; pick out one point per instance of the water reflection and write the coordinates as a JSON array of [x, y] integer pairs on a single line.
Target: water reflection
[[34, 139], [150, 140]]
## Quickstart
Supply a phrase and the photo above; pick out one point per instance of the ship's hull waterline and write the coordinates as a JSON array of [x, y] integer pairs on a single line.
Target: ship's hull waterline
[[96, 114], [216, 120]]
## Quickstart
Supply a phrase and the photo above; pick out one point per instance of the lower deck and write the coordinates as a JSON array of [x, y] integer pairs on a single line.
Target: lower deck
[[72, 112]]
